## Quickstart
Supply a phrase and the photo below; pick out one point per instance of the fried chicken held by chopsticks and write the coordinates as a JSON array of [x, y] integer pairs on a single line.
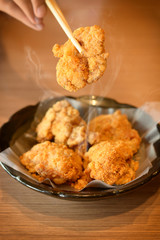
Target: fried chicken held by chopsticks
[[75, 70], [63, 124]]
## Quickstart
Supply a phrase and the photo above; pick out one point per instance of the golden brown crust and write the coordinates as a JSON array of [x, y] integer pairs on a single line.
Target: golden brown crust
[[110, 159], [91, 39], [97, 66], [113, 127], [53, 161], [72, 72], [63, 123], [111, 162], [83, 180], [75, 70]]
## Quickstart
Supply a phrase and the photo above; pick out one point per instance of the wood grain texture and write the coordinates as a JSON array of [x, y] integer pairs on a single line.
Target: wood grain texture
[[27, 70]]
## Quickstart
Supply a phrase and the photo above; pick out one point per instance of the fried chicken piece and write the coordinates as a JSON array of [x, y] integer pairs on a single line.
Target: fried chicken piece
[[72, 72], [75, 70], [112, 162], [83, 180], [113, 127], [54, 161], [63, 123]]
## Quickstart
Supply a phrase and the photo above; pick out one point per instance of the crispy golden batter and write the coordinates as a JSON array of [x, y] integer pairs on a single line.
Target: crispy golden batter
[[63, 123], [112, 162], [113, 127], [110, 159], [83, 180], [54, 161], [72, 72], [75, 70]]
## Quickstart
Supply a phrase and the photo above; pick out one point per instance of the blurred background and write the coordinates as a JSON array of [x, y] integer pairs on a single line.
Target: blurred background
[[132, 32]]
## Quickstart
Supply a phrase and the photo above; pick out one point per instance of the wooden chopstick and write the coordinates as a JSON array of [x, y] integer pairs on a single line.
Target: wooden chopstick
[[54, 8]]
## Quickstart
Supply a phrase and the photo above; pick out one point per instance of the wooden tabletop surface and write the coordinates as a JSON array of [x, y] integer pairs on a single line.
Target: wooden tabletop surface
[[27, 74]]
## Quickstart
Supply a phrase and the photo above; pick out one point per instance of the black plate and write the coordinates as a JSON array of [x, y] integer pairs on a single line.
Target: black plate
[[25, 117]]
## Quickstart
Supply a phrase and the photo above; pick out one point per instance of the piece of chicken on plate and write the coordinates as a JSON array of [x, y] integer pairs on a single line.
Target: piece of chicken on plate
[[53, 161], [112, 162], [63, 124], [113, 127]]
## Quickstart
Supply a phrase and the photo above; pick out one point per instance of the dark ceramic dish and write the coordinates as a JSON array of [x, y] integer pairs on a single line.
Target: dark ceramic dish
[[25, 117]]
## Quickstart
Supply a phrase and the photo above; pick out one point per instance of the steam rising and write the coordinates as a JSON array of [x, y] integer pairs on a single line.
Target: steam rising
[[37, 74]]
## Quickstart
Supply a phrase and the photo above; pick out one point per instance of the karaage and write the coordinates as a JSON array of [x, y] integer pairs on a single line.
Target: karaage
[[62, 123], [111, 162], [113, 127], [113, 142], [75, 70], [54, 161]]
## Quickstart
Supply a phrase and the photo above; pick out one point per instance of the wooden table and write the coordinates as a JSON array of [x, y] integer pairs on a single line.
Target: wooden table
[[27, 72]]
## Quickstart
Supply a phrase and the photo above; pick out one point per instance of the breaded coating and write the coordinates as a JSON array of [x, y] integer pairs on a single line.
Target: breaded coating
[[62, 123], [83, 180], [113, 127], [110, 138], [75, 70], [112, 162], [54, 161], [72, 72]]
